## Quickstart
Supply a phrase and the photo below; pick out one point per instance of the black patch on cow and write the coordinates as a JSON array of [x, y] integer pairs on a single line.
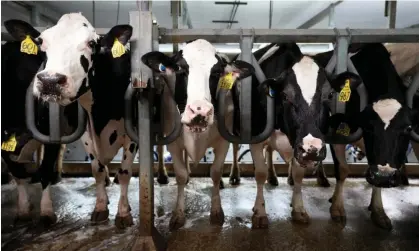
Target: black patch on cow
[[120, 171], [91, 157], [132, 147], [113, 137], [101, 167], [125, 156], [84, 63], [86, 143]]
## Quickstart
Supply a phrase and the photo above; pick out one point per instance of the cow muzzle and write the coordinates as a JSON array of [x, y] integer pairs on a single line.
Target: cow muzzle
[[50, 85], [311, 149], [198, 116], [383, 176]]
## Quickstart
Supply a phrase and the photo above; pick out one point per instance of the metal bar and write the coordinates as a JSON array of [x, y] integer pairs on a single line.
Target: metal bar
[[35, 15], [318, 17], [186, 16], [174, 6], [391, 10], [407, 35], [225, 21], [271, 6], [54, 123], [231, 3], [246, 46]]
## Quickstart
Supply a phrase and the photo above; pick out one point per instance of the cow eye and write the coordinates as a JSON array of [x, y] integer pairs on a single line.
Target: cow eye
[[330, 96], [38, 41], [408, 129], [91, 44]]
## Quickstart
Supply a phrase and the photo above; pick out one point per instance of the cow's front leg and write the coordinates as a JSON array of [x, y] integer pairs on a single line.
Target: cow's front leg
[[272, 177], [162, 176], [298, 213], [123, 217], [337, 209], [235, 170], [378, 215], [101, 212], [220, 152], [259, 218], [178, 215]]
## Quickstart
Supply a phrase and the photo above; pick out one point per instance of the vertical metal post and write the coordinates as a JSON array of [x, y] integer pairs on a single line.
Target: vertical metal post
[[54, 122], [35, 15], [271, 7], [246, 45], [332, 16], [391, 9], [174, 10]]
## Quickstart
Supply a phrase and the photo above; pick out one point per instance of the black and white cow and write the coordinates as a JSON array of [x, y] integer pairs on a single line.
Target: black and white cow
[[386, 124], [80, 66], [194, 74], [18, 70]]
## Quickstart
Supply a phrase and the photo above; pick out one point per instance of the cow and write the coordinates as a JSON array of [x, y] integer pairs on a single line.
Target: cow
[[192, 76], [94, 71], [386, 123], [18, 145]]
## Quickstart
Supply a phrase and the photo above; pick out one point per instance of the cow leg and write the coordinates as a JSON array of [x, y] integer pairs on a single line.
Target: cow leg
[[162, 176], [321, 175], [235, 170], [187, 165], [337, 209], [259, 218], [123, 217], [220, 153], [272, 177], [178, 215], [59, 170], [378, 215], [290, 180], [298, 213]]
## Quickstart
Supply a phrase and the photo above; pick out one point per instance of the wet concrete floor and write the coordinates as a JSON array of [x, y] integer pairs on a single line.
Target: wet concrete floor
[[74, 199]]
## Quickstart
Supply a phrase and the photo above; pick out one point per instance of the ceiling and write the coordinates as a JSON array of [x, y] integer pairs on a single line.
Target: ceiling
[[255, 14]]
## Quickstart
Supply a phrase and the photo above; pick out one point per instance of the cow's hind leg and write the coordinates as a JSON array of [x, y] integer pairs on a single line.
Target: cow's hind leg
[[299, 213], [337, 209], [162, 176], [178, 215], [378, 215], [123, 217], [259, 218], [272, 177], [220, 152], [290, 180], [235, 170], [321, 175]]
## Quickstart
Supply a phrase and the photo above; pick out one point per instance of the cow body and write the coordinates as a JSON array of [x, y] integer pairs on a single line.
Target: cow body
[[82, 67]]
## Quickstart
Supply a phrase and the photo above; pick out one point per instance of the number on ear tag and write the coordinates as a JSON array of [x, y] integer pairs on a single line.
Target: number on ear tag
[[118, 49], [343, 129], [28, 46], [345, 93], [10, 144], [226, 82]]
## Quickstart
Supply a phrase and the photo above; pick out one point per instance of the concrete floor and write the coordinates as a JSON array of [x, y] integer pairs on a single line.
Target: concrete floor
[[74, 199]]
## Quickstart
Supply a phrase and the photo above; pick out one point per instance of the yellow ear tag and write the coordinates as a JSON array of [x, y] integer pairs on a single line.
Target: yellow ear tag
[[345, 93], [118, 49], [226, 82], [28, 46], [10, 144], [343, 129]]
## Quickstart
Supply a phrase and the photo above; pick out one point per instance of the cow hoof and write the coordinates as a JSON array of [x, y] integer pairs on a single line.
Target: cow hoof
[[217, 217], [123, 222], [187, 180], [290, 181], [107, 181], [300, 217], [22, 219], [48, 220], [338, 214], [177, 221], [221, 184], [330, 200], [234, 180], [273, 181], [163, 179], [323, 181], [260, 221], [381, 220], [99, 216]]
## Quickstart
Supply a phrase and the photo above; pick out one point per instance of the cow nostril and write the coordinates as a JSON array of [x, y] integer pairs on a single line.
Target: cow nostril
[[198, 108]]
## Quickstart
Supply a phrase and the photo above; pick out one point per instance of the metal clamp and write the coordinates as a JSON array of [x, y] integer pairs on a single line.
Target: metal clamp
[[54, 122]]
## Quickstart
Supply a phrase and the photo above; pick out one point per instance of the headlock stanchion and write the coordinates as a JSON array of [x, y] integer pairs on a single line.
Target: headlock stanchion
[[55, 116], [246, 46], [410, 94], [340, 62]]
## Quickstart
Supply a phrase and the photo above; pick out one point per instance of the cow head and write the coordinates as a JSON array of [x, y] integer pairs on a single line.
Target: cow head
[[198, 66], [70, 46], [302, 96]]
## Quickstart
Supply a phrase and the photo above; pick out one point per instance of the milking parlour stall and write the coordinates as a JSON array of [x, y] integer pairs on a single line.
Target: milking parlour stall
[[210, 125]]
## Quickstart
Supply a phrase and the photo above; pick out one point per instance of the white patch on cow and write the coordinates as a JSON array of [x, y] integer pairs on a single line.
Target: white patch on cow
[[309, 141], [268, 54], [306, 74], [386, 169], [224, 56], [46, 202], [200, 56], [64, 44], [279, 142], [386, 110]]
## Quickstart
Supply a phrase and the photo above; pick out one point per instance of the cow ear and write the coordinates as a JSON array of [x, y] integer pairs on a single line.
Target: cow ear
[[241, 69], [122, 32], [158, 61], [20, 29], [339, 81]]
